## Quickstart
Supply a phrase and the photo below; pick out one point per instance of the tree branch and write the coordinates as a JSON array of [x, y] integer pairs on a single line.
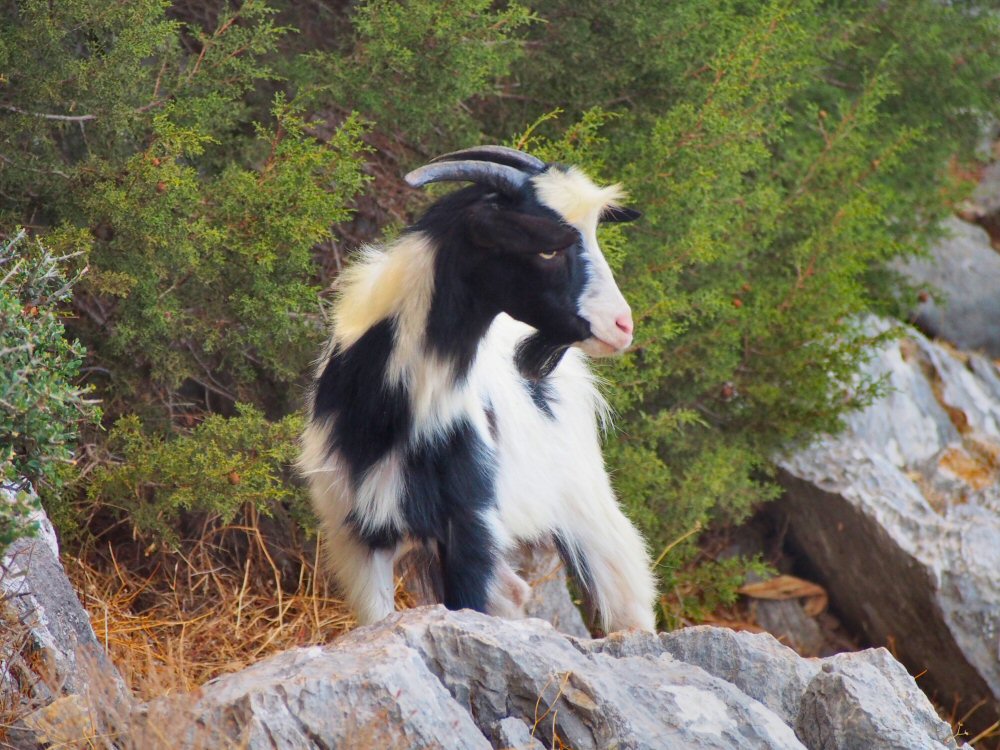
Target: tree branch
[[45, 116]]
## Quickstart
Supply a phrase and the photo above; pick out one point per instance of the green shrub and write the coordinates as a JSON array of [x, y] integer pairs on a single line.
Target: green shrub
[[150, 145], [220, 467], [412, 65], [41, 406], [212, 273]]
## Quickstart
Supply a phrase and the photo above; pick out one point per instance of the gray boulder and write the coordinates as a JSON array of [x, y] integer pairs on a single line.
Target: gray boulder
[[514, 734], [51, 663], [757, 664], [900, 516], [864, 700], [431, 678], [966, 269], [854, 697], [378, 695], [590, 699]]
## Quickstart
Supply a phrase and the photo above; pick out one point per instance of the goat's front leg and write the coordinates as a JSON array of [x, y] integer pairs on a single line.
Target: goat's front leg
[[470, 536], [608, 556], [469, 560]]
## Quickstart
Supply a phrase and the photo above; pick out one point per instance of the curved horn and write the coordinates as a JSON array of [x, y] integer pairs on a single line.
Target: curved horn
[[498, 155], [501, 177]]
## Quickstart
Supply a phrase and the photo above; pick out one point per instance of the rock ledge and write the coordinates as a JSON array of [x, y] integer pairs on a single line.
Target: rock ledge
[[431, 678]]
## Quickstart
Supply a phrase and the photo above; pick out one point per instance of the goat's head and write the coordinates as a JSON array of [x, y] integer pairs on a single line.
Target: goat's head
[[528, 233]]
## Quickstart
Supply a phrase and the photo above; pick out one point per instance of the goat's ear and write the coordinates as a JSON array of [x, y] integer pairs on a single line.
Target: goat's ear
[[619, 214], [514, 232]]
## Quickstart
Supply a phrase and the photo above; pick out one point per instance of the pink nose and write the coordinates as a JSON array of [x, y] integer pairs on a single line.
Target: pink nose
[[624, 323]]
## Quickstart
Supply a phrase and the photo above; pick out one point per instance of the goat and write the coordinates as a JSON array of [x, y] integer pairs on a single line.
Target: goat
[[453, 404]]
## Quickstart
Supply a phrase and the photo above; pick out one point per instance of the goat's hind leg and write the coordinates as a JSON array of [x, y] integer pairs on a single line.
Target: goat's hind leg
[[362, 572], [509, 594]]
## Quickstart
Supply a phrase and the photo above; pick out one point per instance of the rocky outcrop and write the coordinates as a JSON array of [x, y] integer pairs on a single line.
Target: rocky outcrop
[[430, 678], [899, 518], [843, 701], [380, 695], [50, 659], [50, 648]]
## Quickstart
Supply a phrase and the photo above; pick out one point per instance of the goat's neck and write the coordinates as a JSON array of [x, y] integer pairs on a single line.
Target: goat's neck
[[440, 322], [457, 322]]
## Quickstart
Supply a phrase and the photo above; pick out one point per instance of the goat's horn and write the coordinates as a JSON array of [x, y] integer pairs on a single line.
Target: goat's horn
[[498, 155], [501, 177]]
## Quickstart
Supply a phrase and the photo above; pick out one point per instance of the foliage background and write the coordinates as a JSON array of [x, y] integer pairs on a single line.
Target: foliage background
[[213, 164]]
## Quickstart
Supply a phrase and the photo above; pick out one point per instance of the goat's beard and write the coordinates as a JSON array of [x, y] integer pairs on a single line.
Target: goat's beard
[[536, 356]]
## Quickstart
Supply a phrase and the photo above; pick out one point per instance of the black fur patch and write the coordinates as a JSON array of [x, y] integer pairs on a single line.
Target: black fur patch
[[619, 214], [488, 260], [578, 569], [458, 318], [536, 357], [385, 537], [541, 394], [450, 488], [491, 420], [370, 416]]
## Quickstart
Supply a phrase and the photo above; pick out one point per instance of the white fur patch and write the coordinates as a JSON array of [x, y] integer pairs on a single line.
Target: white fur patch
[[365, 576], [379, 284], [574, 196], [377, 499], [379, 496], [551, 476]]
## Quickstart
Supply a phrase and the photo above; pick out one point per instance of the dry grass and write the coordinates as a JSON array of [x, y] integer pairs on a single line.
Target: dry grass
[[170, 621], [172, 624]]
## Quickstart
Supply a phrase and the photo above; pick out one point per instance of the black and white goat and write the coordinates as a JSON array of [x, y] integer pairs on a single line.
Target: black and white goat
[[454, 406]]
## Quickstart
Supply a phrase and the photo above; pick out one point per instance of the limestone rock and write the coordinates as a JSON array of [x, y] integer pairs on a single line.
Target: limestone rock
[[864, 700], [379, 694], [514, 734], [857, 696], [900, 515], [431, 678], [590, 699], [755, 663]]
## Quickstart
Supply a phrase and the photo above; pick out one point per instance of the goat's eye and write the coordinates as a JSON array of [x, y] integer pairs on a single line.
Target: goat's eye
[[549, 255]]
